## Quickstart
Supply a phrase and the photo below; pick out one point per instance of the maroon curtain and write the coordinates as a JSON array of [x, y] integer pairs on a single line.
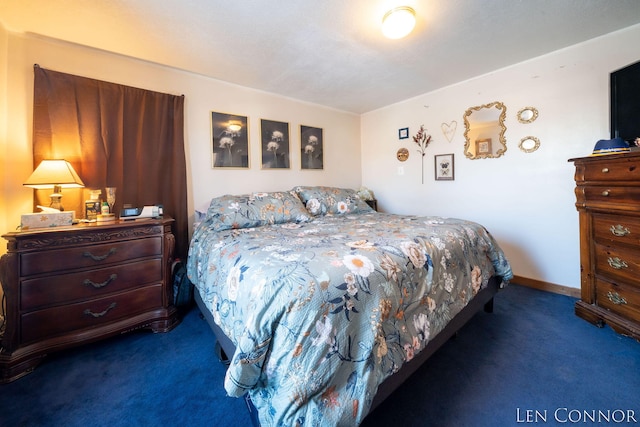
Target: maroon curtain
[[114, 136]]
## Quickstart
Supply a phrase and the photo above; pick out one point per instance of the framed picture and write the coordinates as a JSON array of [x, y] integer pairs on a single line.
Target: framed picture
[[444, 167], [230, 140], [483, 146], [275, 144], [311, 147], [403, 133]]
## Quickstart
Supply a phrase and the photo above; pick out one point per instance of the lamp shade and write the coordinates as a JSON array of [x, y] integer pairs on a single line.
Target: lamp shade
[[54, 173], [398, 22]]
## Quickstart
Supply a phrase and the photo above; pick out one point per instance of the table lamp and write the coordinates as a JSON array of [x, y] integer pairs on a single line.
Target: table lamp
[[56, 174]]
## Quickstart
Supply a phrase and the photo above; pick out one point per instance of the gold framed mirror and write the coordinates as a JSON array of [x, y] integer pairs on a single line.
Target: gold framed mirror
[[484, 131], [527, 115], [529, 144]]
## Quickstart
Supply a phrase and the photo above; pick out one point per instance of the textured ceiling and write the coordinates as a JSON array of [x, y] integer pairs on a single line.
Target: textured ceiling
[[329, 52]]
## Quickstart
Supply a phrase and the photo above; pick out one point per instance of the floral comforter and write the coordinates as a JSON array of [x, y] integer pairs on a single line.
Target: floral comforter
[[322, 312]]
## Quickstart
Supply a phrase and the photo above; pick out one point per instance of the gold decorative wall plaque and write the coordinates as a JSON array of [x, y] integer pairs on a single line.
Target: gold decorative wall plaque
[[402, 154]]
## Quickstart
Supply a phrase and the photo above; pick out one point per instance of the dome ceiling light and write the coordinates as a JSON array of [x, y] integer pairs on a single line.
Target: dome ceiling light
[[398, 22]]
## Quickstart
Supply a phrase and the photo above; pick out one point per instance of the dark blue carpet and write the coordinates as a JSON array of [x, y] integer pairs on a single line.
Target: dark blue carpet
[[531, 354]]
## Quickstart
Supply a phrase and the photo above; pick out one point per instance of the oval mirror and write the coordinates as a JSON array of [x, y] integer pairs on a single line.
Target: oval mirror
[[529, 144], [527, 115], [484, 131]]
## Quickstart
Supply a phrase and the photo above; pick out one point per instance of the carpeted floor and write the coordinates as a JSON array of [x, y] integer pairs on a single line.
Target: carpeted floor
[[530, 362]]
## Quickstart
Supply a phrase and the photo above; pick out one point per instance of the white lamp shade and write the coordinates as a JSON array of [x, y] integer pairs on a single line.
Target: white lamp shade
[[398, 22], [52, 173]]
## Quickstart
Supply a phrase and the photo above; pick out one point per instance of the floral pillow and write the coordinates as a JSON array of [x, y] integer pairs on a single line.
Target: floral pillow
[[256, 209], [330, 200]]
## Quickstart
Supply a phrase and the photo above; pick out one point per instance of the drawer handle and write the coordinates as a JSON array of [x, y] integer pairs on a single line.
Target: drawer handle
[[89, 282], [88, 311], [617, 263], [615, 298], [605, 170], [100, 257], [619, 230], [605, 193]]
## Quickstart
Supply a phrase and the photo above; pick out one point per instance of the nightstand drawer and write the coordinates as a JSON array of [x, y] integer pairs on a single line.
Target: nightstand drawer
[[621, 169], [616, 228], [88, 256], [620, 299], [88, 284], [51, 322], [617, 263]]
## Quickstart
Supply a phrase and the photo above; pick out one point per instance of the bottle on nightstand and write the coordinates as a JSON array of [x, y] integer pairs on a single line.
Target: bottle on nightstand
[[105, 215]]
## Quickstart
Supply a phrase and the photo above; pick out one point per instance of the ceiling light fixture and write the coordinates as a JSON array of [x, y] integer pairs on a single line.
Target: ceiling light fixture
[[398, 22], [234, 127]]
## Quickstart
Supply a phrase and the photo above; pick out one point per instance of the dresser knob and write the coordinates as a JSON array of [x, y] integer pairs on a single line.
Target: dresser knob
[[619, 230], [605, 170], [605, 193], [617, 263], [615, 298]]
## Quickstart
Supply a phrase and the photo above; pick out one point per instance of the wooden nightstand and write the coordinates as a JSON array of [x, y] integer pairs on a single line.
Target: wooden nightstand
[[72, 285]]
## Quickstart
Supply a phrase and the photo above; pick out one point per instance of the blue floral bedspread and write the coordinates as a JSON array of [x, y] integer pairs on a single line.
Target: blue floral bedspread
[[322, 312]]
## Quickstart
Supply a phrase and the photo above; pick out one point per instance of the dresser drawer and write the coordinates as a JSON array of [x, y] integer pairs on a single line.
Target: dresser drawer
[[41, 324], [617, 263], [88, 284], [620, 299], [88, 256], [622, 169], [609, 229], [604, 195]]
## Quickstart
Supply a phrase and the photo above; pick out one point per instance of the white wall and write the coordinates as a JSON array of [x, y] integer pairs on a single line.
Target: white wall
[[202, 95], [525, 200]]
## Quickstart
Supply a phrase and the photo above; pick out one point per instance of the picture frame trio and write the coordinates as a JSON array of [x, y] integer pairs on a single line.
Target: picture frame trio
[[230, 143]]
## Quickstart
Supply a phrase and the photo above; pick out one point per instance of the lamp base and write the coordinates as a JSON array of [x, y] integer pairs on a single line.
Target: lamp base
[[56, 201]]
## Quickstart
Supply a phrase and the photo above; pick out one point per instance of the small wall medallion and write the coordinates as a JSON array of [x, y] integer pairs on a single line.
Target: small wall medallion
[[402, 154]]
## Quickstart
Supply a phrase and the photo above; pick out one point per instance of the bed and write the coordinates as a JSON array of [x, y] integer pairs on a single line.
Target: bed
[[324, 305]]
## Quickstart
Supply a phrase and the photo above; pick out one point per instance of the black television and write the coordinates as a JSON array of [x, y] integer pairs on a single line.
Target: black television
[[625, 103]]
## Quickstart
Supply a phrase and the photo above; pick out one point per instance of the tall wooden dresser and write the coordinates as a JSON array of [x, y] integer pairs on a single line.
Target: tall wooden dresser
[[608, 203], [72, 285]]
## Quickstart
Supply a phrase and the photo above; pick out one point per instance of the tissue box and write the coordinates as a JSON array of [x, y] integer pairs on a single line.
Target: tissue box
[[33, 221]]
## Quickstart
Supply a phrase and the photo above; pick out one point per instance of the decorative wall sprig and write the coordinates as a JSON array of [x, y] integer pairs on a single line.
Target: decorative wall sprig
[[423, 140]]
